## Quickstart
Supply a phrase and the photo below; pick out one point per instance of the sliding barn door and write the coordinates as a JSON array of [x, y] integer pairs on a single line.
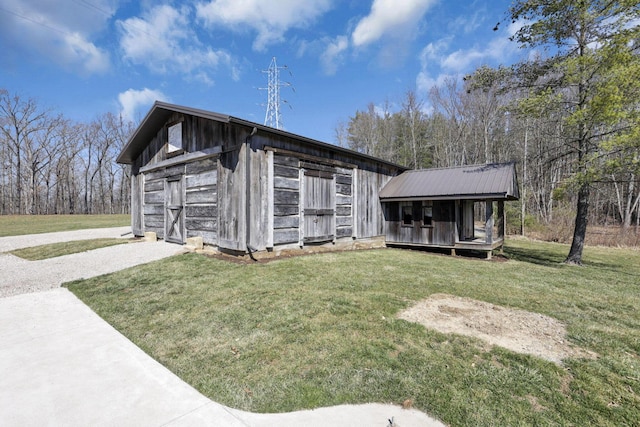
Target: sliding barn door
[[319, 206], [174, 211]]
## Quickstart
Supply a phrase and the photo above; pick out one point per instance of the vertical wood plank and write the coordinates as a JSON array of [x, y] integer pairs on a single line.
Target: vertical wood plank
[[501, 219], [137, 204], [332, 195], [354, 203], [458, 219], [488, 225], [301, 204], [270, 206]]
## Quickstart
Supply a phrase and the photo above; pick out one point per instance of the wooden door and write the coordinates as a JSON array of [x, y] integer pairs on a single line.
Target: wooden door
[[174, 211], [319, 206], [467, 232], [444, 227]]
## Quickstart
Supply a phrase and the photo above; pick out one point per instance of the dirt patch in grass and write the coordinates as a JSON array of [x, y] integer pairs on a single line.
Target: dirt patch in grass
[[516, 330]]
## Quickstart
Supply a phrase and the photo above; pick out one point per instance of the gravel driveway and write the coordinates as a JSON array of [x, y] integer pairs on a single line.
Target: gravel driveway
[[21, 276]]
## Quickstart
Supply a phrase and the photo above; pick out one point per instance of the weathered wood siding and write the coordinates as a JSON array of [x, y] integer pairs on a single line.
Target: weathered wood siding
[[442, 232], [344, 202], [201, 207], [444, 223], [466, 219], [197, 134], [174, 209], [368, 217], [231, 200], [154, 197], [199, 178], [286, 199], [258, 210], [244, 189], [137, 200], [319, 206]]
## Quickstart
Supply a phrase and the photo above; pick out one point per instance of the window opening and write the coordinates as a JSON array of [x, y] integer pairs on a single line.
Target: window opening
[[407, 215], [175, 138], [427, 213]]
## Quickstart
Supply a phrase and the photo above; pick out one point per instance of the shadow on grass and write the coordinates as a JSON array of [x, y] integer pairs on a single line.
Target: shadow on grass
[[535, 256]]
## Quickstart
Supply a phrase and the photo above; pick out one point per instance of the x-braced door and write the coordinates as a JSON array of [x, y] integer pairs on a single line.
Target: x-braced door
[[319, 206], [174, 211]]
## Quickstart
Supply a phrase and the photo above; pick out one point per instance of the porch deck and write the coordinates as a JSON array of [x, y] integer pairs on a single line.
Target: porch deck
[[478, 243]]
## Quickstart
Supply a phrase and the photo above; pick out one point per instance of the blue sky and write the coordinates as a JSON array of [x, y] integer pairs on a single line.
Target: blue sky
[[88, 57]]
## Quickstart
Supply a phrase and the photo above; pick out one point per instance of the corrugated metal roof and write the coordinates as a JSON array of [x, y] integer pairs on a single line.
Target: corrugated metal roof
[[161, 111], [490, 181]]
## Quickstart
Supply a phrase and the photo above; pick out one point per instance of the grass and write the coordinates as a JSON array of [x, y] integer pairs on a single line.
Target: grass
[[322, 330], [17, 225], [36, 253]]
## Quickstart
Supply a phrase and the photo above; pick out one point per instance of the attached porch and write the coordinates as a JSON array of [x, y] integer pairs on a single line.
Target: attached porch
[[455, 209], [460, 225]]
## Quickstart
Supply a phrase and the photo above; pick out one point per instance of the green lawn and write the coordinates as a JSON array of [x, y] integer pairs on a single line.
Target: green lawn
[[35, 253], [322, 330], [15, 225]]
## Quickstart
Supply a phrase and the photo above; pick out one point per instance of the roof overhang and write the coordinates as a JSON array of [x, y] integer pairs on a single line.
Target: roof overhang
[[474, 197], [496, 181]]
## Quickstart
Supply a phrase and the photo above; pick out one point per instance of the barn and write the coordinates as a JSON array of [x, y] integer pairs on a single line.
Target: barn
[[243, 187], [437, 207]]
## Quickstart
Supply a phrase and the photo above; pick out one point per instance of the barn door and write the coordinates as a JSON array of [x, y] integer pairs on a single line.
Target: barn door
[[319, 206], [174, 211]]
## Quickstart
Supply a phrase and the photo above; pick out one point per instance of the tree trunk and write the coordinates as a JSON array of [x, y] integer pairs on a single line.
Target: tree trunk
[[580, 230], [523, 200]]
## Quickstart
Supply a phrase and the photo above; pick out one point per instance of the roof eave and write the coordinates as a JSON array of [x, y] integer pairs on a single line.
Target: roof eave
[[320, 144], [147, 128], [491, 196]]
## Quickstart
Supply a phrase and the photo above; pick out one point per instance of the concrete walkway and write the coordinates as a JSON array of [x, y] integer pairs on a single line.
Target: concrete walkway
[[61, 364]]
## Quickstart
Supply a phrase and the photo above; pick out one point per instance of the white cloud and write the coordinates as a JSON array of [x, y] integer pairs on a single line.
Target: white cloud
[[47, 29], [424, 82], [333, 54], [163, 40], [495, 51], [436, 60], [270, 20], [433, 51], [77, 49], [390, 18], [468, 23], [135, 103]]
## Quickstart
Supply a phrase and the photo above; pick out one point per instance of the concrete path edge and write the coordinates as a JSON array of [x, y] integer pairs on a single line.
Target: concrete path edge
[[62, 364]]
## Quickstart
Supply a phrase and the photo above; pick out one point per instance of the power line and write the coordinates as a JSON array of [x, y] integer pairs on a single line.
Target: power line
[[93, 6], [33, 21], [129, 24]]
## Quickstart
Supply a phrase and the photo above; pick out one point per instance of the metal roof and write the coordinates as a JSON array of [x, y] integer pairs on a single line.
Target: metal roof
[[490, 181], [161, 111]]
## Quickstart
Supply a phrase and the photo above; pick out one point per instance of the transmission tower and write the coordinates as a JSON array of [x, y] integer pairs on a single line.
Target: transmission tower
[[272, 117]]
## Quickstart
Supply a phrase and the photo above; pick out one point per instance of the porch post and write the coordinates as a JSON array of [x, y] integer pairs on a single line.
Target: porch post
[[501, 220], [488, 224]]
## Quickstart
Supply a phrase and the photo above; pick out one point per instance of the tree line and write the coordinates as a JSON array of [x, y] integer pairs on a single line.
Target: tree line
[[570, 119], [52, 165]]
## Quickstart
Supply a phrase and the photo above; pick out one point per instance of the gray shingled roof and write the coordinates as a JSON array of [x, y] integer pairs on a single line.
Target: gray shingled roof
[[491, 181]]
